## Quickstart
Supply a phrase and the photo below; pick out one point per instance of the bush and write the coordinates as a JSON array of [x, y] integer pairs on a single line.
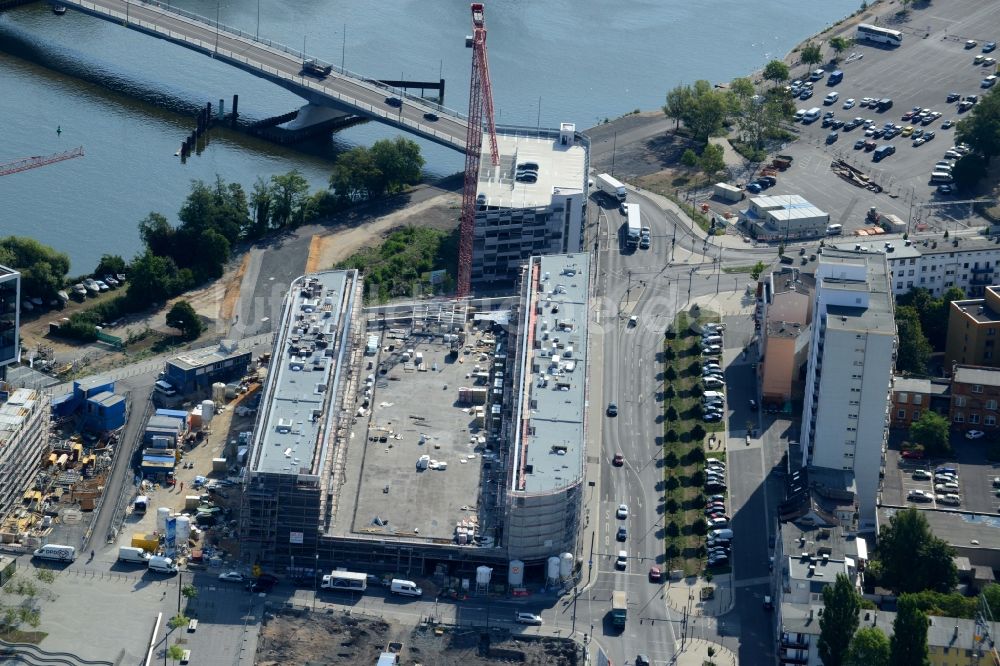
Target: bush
[[670, 373], [672, 435], [671, 413], [672, 482], [698, 432], [670, 460]]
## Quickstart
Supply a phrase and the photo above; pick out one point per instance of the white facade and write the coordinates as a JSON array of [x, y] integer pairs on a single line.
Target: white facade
[[24, 428], [937, 263], [849, 377]]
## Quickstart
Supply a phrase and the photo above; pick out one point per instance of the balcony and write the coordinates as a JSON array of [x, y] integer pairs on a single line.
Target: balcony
[[794, 641]]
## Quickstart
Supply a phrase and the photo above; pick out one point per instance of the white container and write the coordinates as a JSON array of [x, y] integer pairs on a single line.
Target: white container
[[552, 568], [207, 411], [219, 392], [161, 519], [183, 530], [566, 565], [515, 574], [483, 575]]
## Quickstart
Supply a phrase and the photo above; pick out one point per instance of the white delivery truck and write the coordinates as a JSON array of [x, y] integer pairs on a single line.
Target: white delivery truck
[[633, 224], [57, 552], [610, 186], [131, 554], [405, 588], [162, 565]]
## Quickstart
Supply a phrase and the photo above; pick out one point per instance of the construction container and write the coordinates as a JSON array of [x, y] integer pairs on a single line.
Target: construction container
[[219, 464], [148, 542], [727, 192], [191, 502]]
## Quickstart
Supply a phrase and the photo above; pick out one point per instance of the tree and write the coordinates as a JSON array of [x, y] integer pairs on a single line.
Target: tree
[[908, 646], [355, 175], [110, 264], [840, 44], [776, 71], [869, 647], [43, 270], [712, 159], [399, 161], [157, 235], [968, 171], [911, 558], [175, 652], [811, 54], [183, 317], [931, 432], [689, 158], [841, 604], [756, 271], [288, 194], [678, 100], [981, 128], [914, 350]]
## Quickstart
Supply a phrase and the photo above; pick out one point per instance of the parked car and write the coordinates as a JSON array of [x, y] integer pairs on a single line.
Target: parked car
[[974, 434], [528, 618], [952, 97], [849, 103], [913, 454], [919, 496]]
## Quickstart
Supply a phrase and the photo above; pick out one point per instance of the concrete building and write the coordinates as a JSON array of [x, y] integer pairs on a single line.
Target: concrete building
[[972, 330], [518, 218], [784, 217], [548, 424], [975, 392], [24, 432], [10, 317], [849, 376], [912, 396], [785, 314], [197, 371], [936, 263]]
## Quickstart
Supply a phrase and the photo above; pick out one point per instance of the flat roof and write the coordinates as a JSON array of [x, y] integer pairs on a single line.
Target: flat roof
[[918, 385], [977, 309], [561, 169], [900, 250], [877, 316], [958, 528], [550, 442], [787, 207], [90, 382], [20, 405], [966, 374], [304, 373], [192, 360]]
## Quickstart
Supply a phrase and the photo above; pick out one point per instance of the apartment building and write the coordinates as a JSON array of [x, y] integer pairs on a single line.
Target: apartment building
[[849, 375], [937, 263], [10, 313], [975, 392], [532, 203], [972, 330], [785, 314], [912, 396]]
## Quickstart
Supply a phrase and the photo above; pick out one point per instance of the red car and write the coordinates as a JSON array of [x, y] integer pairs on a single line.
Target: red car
[[655, 574], [913, 454], [618, 460]]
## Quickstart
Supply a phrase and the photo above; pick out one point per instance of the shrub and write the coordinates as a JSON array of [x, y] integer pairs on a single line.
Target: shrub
[[672, 506], [671, 435], [672, 529], [670, 459], [671, 413], [698, 432]]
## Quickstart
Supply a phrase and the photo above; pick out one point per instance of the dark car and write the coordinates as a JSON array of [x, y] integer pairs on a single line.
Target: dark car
[[394, 101], [989, 47], [837, 124], [622, 534], [771, 181], [952, 97], [827, 121], [612, 409], [832, 137], [430, 116], [945, 189], [859, 144], [929, 135], [754, 188]]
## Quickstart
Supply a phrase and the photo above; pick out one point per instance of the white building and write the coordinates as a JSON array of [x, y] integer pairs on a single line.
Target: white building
[[520, 218], [784, 217], [849, 377], [24, 429], [937, 263]]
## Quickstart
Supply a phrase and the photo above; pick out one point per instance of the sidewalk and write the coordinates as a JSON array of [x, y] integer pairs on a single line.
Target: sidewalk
[[725, 240], [685, 595], [695, 653]]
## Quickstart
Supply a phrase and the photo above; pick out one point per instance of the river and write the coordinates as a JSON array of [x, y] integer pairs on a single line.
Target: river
[[129, 99]]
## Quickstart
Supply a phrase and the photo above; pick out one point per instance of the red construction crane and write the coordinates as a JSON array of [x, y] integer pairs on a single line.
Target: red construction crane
[[37, 161], [480, 102]]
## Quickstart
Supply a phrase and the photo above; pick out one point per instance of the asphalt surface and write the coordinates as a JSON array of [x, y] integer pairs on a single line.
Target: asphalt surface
[[350, 93]]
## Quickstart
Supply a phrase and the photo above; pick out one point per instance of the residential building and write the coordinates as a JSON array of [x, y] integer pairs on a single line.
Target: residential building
[[912, 396], [972, 330], [849, 375], [936, 263], [548, 425], [24, 432], [517, 218], [785, 314], [975, 392], [784, 217], [197, 371], [10, 317]]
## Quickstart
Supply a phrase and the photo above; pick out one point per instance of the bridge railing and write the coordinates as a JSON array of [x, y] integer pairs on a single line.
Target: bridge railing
[[298, 54]]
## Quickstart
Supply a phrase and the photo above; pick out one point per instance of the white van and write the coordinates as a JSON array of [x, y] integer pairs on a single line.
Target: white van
[[162, 565], [405, 588], [713, 394], [130, 554], [711, 340], [164, 387], [57, 552], [811, 116], [941, 177], [834, 229]]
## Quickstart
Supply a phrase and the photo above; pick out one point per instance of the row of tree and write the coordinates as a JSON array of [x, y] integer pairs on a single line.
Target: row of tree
[[922, 326], [981, 131], [43, 269]]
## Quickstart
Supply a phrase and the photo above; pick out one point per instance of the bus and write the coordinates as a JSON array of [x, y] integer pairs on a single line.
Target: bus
[[345, 580], [874, 33]]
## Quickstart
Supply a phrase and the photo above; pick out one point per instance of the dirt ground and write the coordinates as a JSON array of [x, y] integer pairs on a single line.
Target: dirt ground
[[336, 639]]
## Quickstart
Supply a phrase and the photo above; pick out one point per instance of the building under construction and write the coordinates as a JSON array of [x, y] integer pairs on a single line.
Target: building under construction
[[426, 435]]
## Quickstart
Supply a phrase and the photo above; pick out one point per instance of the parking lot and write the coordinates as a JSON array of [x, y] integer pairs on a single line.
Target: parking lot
[[974, 475], [921, 72]]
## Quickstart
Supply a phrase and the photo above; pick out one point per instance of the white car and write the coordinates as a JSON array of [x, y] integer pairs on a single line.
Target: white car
[[974, 434], [622, 512], [831, 98], [849, 103], [950, 498], [622, 560], [528, 618], [232, 577]]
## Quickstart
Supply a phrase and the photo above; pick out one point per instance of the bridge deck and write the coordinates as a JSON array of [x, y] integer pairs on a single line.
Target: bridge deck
[[275, 62]]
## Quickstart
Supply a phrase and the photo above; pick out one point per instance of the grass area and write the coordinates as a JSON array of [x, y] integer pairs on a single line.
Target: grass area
[[402, 264], [738, 269], [18, 636], [684, 438]]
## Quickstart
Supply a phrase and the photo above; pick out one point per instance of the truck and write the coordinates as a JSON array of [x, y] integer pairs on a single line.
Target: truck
[[892, 223], [633, 224], [133, 554], [610, 186], [345, 580], [727, 192], [619, 608]]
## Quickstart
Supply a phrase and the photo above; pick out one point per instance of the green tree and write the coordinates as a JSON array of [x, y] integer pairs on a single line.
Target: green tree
[[712, 159], [678, 100], [911, 558], [183, 317], [756, 271], [868, 647], [968, 171], [152, 279], [689, 158], [776, 71], [811, 54], [841, 604], [157, 235], [931, 432], [43, 269], [981, 128], [399, 162], [355, 175], [707, 112], [288, 195], [908, 645], [110, 264], [914, 350], [189, 591], [175, 652], [840, 44]]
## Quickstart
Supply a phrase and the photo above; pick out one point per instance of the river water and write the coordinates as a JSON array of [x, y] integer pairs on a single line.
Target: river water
[[129, 99]]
